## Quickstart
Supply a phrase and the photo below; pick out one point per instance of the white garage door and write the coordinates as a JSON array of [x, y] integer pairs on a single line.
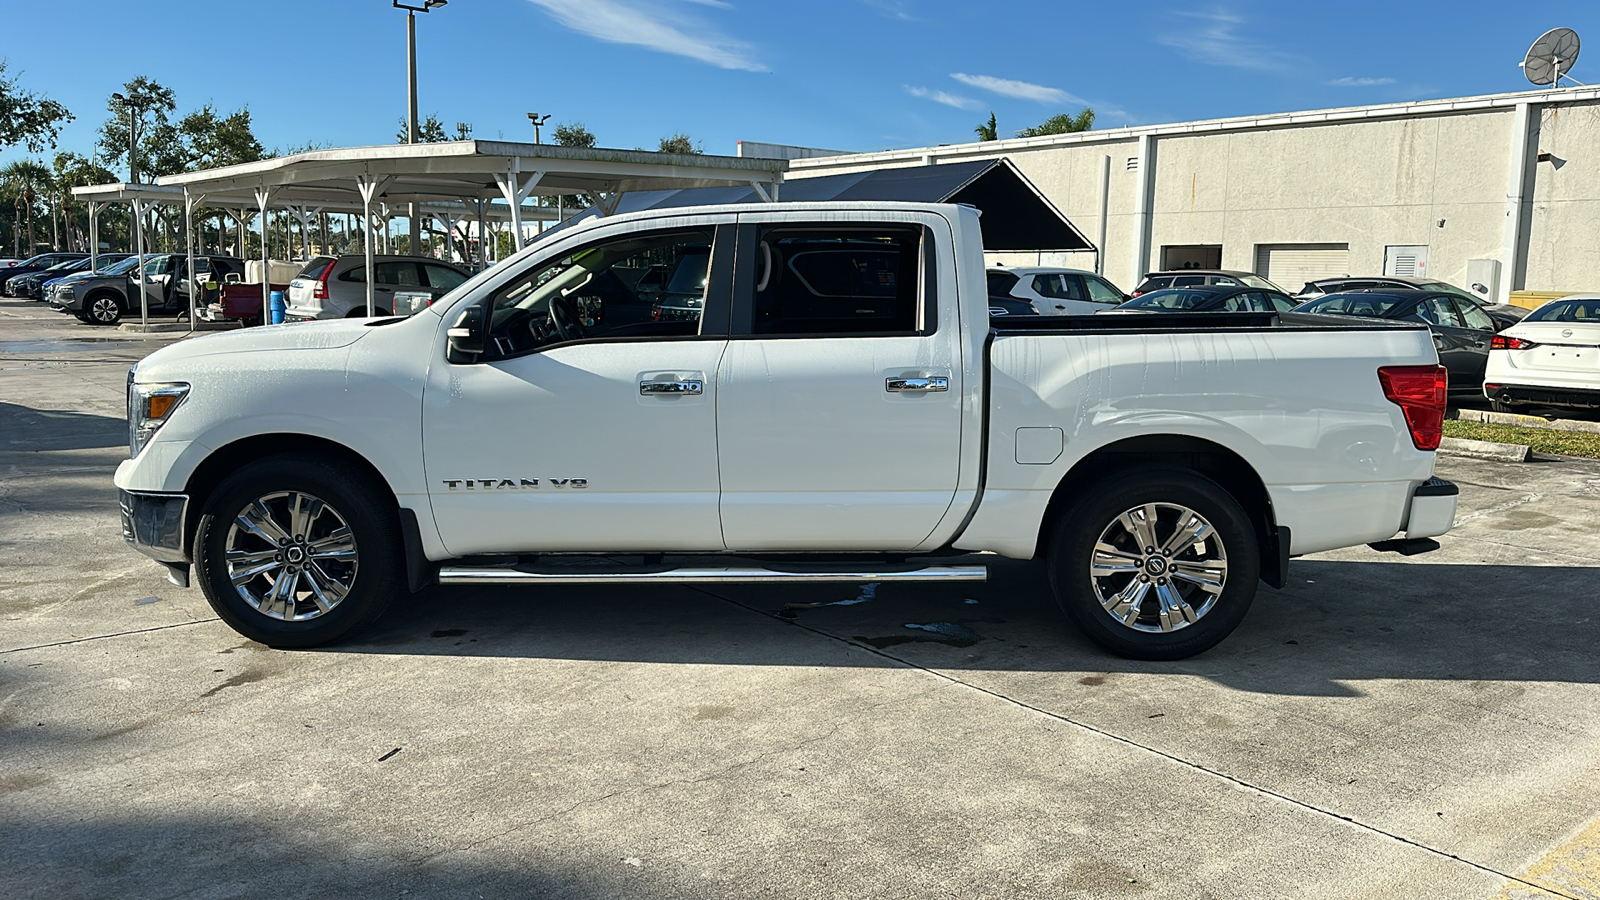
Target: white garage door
[[1290, 266]]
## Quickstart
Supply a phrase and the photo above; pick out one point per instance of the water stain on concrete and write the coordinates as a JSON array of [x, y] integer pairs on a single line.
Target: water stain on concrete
[[705, 713], [248, 676], [1092, 680], [11, 784], [1522, 519]]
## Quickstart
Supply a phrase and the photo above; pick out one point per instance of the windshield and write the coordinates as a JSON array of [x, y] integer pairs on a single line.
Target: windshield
[[1584, 311], [1257, 281], [1453, 290], [1356, 304], [68, 265], [315, 268], [1176, 298], [121, 268]]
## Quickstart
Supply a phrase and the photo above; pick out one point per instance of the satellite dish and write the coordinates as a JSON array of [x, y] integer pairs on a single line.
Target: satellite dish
[[1551, 57]]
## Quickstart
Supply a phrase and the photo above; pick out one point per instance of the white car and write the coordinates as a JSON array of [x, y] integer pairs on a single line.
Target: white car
[[838, 406], [336, 288], [1550, 358], [1055, 292]]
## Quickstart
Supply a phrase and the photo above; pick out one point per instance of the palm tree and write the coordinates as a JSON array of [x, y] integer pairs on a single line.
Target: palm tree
[[25, 181]]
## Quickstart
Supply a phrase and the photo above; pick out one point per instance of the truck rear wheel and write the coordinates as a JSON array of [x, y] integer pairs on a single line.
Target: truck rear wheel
[[296, 551], [1155, 563]]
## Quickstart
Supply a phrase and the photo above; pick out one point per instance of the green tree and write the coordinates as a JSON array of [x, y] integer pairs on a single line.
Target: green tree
[[211, 140], [431, 131], [680, 143], [27, 118], [1062, 123], [73, 170], [146, 108], [573, 134], [25, 182], [988, 131]]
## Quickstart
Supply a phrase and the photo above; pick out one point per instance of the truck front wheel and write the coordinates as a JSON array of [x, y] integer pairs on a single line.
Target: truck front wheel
[[296, 550], [1155, 563]]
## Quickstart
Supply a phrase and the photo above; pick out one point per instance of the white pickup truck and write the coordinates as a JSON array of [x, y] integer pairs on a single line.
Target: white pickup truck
[[821, 398]]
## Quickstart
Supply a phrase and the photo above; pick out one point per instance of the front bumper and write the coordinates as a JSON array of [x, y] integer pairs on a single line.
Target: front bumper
[[153, 525], [1433, 508]]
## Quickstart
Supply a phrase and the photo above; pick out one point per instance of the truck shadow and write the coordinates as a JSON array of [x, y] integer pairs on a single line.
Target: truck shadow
[[25, 428], [1336, 622]]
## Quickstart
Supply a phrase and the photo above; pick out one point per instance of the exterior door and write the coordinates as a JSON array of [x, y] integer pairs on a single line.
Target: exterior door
[[589, 422], [839, 397]]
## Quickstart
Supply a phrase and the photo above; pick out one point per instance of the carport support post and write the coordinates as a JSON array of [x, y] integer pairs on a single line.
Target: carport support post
[[368, 187], [138, 269], [94, 236], [264, 194], [483, 251], [189, 202], [515, 189]]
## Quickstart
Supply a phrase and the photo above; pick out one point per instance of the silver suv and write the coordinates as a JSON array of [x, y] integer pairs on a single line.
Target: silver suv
[[336, 288]]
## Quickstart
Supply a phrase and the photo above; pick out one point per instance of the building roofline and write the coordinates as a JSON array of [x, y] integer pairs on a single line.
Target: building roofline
[[1405, 109]]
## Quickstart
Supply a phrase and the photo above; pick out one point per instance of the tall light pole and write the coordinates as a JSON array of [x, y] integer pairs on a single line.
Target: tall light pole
[[537, 121], [134, 104], [411, 92]]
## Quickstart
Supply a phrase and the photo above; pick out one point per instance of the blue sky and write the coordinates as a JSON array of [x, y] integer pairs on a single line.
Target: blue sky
[[845, 74]]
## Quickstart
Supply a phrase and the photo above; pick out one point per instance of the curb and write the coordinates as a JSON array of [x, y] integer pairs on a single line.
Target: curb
[[1485, 450], [173, 327], [1521, 421]]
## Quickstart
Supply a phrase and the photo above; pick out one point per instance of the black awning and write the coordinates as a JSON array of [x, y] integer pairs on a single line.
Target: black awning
[[1016, 216]]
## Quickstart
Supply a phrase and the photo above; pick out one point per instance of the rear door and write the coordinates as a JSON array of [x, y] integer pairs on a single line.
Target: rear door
[[839, 397], [1461, 350]]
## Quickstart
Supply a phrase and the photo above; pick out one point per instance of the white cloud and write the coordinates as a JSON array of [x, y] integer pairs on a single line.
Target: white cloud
[[654, 25], [1020, 90], [1216, 41], [894, 9], [955, 100], [1348, 81]]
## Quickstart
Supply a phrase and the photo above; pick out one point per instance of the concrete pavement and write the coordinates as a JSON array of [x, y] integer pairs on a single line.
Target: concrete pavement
[[1385, 726]]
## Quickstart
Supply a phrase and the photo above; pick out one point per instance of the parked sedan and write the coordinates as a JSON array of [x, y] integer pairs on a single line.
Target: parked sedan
[[336, 288], [33, 286], [1055, 292], [1551, 358], [1503, 314], [1461, 330], [1155, 281], [1209, 298]]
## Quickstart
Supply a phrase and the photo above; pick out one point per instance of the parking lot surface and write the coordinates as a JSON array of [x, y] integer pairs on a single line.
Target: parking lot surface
[[1385, 726]]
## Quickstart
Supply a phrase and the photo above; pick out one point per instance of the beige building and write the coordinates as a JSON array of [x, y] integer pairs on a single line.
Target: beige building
[[1501, 191]]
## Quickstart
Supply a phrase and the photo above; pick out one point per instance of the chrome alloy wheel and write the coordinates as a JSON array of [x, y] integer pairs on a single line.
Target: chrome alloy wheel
[[291, 556], [1166, 549]]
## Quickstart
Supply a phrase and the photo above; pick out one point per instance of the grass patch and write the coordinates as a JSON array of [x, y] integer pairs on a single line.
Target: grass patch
[[1542, 440]]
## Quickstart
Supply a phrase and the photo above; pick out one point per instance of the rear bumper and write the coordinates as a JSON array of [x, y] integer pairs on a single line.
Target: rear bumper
[[1544, 395], [1433, 508], [153, 524]]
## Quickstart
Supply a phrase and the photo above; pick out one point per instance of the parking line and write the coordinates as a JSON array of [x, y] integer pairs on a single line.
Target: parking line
[[1570, 870]]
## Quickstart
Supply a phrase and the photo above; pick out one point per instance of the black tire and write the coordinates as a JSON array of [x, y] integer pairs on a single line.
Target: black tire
[[1097, 514], [376, 573], [102, 309]]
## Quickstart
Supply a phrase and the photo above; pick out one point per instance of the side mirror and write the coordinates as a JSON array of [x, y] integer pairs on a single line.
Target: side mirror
[[468, 336]]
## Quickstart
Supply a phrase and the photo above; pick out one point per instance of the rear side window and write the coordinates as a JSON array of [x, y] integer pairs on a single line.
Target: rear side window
[[401, 273], [830, 281], [1001, 283], [314, 268], [1058, 287]]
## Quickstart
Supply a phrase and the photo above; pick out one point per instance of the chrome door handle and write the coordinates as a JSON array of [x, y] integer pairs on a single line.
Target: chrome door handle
[[671, 387], [929, 384]]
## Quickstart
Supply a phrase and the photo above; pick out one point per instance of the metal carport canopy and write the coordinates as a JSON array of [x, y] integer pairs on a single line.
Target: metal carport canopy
[[468, 170], [1016, 215], [137, 195]]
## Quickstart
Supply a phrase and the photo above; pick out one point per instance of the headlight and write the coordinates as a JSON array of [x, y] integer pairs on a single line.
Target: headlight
[[149, 407]]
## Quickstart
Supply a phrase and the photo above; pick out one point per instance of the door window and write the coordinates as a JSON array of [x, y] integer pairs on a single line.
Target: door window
[[1437, 311], [1475, 317], [590, 294], [1058, 287], [400, 273], [831, 281], [1100, 292], [443, 278], [1238, 303]]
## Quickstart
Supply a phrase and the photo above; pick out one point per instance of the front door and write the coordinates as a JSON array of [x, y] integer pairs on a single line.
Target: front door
[[839, 397], [589, 422]]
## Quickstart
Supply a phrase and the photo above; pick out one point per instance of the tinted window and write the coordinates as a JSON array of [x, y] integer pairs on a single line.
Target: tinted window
[[1355, 304], [1001, 283], [1245, 302], [1280, 303], [443, 278], [314, 268], [844, 281], [1191, 281], [1566, 311], [401, 273], [1476, 318], [1158, 282], [1057, 286], [1101, 292], [1170, 299], [1437, 311], [588, 294]]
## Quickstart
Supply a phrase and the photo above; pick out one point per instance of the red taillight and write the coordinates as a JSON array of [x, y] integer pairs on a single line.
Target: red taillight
[[321, 290], [1501, 342], [1421, 392]]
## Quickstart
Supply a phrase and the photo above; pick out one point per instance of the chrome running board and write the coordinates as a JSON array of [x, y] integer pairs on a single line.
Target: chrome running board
[[473, 575]]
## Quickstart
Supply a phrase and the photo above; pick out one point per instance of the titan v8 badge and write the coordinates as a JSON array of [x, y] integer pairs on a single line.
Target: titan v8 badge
[[512, 484]]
